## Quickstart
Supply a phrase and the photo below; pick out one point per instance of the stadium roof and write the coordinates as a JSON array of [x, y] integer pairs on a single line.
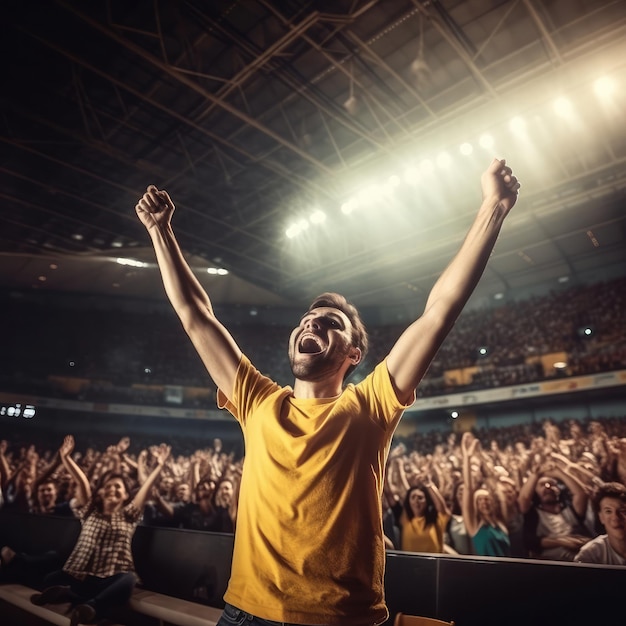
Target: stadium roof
[[261, 116]]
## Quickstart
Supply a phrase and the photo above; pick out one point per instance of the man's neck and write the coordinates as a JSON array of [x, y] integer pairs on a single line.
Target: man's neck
[[306, 389], [206, 506], [551, 507]]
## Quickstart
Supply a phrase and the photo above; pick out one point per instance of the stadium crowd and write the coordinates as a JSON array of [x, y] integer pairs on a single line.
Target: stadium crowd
[[530, 490], [134, 356], [522, 491]]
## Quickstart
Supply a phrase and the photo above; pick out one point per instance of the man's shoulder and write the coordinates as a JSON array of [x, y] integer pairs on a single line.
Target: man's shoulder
[[594, 551], [62, 509], [185, 507]]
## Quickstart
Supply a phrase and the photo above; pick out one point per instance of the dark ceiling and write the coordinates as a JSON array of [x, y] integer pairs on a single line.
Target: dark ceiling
[[252, 114]]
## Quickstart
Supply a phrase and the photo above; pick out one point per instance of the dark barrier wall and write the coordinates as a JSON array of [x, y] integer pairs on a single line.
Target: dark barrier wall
[[478, 591], [472, 591]]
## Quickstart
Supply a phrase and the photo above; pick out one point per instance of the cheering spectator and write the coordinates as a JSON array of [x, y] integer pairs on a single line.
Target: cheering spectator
[[610, 548], [489, 534], [553, 528], [99, 573]]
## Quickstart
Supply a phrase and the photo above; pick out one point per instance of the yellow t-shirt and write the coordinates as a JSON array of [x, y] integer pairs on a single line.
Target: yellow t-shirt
[[309, 543], [417, 537]]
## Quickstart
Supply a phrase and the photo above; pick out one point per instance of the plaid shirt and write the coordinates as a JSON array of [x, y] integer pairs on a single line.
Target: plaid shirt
[[104, 544]]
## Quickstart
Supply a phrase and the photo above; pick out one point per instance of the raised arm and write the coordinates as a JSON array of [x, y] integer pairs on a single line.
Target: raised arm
[[410, 357], [438, 499], [217, 349], [468, 448], [160, 453], [575, 486], [5, 469], [142, 467], [83, 488]]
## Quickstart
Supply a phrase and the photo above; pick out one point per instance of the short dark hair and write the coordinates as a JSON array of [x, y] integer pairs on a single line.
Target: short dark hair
[[359, 334], [608, 490]]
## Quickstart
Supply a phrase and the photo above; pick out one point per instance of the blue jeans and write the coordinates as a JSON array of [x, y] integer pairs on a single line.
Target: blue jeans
[[232, 616], [101, 593]]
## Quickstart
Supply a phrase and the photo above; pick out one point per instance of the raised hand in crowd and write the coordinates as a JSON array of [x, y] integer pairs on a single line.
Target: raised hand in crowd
[[483, 520]]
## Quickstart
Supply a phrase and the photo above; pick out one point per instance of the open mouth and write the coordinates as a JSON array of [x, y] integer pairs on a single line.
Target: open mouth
[[310, 344]]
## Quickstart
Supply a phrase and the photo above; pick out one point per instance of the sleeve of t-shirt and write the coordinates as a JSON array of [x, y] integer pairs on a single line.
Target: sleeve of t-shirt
[[378, 394], [250, 389], [590, 553]]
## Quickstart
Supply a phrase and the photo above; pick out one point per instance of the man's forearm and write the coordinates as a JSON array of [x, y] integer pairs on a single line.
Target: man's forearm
[[181, 285], [459, 279], [524, 498]]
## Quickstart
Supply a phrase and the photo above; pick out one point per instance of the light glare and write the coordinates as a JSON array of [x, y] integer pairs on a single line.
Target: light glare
[[604, 87], [427, 167], [444, 160], [486, 141], [297, 228], [466, 149], [370, 195], [563, 107], [318, 217], [411, 175], [131, 262], [349, 206], [394, 181], [518, 125]]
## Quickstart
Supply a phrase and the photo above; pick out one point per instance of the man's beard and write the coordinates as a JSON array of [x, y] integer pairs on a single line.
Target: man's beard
[[315, 369], [309, 369]]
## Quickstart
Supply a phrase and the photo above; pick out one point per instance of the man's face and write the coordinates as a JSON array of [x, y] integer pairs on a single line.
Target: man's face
[[612, 514], [166, 484], [47, 494], [204, 490], [224, 494], [321, 344], [548, 490], [183, 492], [595, 428]]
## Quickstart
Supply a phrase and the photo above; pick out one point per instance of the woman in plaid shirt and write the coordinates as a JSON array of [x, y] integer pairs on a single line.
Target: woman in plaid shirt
[[99, 572]]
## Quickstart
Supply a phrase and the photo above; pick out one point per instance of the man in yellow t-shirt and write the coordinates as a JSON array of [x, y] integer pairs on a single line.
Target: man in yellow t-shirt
[[309, 542]]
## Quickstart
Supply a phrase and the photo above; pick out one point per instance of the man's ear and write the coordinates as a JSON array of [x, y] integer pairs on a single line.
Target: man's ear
[[355, 356]]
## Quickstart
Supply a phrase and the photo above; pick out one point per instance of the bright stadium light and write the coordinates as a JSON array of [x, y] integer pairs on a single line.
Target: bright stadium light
[[393, 181], [317, 217], [427, 167], [518, 125], [486, 141], [295, 229], [444, 160], [349, 206], [563, 107], [604, 87], [411, 175]]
